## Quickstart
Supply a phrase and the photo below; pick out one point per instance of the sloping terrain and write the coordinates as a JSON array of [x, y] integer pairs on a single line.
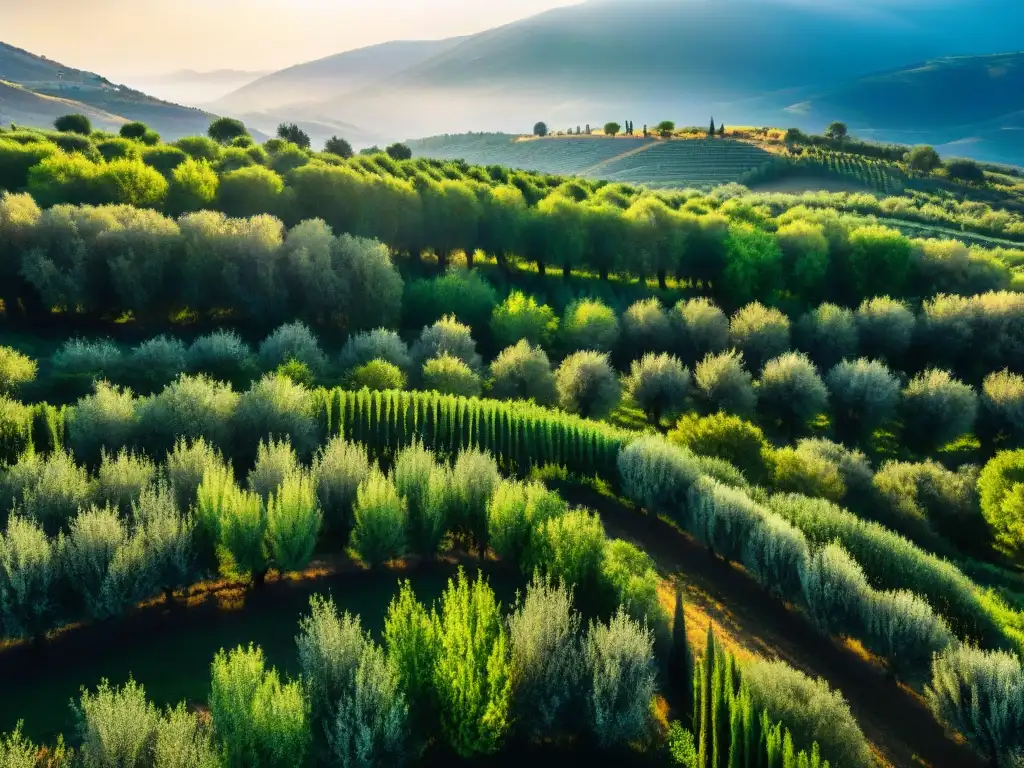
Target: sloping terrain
[[976, 102], [52, 79], [333, 76], [634, 160], [24, 107], [681, 59]]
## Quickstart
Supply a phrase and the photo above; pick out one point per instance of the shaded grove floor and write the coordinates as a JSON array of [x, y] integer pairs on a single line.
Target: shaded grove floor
[[899, 727]]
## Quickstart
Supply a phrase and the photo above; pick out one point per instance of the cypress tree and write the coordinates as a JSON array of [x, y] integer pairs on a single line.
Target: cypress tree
[[711, 133], [697, 707], [725, 708], [788, 754], [704, 752], [680, 660], [736, 737]]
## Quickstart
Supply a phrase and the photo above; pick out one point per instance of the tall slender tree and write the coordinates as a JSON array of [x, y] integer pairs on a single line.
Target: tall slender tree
[[711, 133], [681, 659]]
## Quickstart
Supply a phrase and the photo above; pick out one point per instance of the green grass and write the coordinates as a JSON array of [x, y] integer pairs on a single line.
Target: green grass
[[171, 656]]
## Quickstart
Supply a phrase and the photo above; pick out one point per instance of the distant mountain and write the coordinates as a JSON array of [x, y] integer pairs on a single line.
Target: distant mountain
[[648, 60], [969, 104], [332, 77], [47, 78]]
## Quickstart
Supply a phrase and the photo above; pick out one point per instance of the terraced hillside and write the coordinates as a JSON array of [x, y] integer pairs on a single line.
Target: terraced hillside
[[561, 155], [675, 163], [687, 163]]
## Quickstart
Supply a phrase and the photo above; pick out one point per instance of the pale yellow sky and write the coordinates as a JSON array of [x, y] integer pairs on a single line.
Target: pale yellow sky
[[122, 39]]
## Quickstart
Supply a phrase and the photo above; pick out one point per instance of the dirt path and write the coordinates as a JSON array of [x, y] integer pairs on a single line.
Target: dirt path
[[899, 727], [598, 166]]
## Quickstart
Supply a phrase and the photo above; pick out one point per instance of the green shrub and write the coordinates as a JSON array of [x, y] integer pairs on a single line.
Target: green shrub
[[855, 470], [329, 648], [49, 489], [700, 329], [629, 576], [886, 328], [521, 318], [659, 384], [475, 477], [293, 341], [461, 293], [122, 478], [381, 518], [116, 726], [376, 375], [258, 720], [275, 461], [619, 680], [293, 523], [513, 514], [223, 356], [545, 653], [836, 592], [523, 372], [190, 408], [116, 149], [791, 393], [371, 724], [338, 470], [864, 395], [810, 710], [450, 376], [981, 695], [275, 407], [587, 385], [193, 186], [379, 344], [184, 738], [570, 549], [28, 577], [760, 334], [936, 410], [646, 328], [473, 671], [165, 159], [167, 536], [726, 437], [426, 487], [78, 364], [723, 384], [1001, 410], [795, 471], [247, 191], [903, 630], [892, 562], [722, 471], [15, 434], [657, 475], [16, 370], [105, 419], [185, 467], [410, 636], [920, 500], [589, 324], [16, 751], [243, 533], [447, 337], [775, 554], [722, 518], [1001, 488], [104, 563], [828, 335]]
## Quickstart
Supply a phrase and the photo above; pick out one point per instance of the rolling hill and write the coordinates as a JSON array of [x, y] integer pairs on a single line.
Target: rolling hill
[[970, 104], [650, 59], [51, 80], [19, 105], [331, 77]]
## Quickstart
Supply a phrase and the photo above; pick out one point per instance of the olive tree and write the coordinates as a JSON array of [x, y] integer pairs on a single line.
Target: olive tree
[[381, 520], [790, 392], [646, 328], [523, 372], [885, 328], [700, 328], [590, 325], [864, 395], [722, 383], [587, 385], [760, 334], [828, 335], [936, 410], [659, 384]]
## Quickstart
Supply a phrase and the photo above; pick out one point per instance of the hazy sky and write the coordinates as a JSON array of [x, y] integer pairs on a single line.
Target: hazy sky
[[123, 40]]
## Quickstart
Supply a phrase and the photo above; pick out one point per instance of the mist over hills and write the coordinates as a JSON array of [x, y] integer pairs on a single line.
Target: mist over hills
[[932, 71]]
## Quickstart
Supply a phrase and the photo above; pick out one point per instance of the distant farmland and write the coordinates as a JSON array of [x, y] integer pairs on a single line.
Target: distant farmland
[[636, 160]]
